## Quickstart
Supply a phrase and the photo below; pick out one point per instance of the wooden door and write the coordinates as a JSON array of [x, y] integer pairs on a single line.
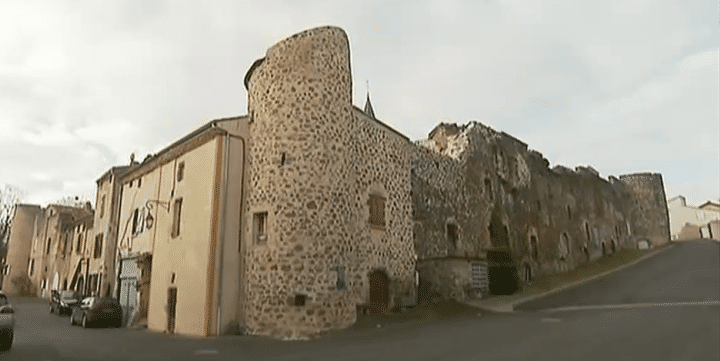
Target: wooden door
[[171, 303]]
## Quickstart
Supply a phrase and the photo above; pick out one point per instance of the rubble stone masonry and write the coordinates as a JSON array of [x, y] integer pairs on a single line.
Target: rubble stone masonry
[[315, 162]]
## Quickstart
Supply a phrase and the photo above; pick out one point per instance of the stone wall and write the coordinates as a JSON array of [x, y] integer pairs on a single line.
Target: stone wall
[[315, 159], [649, 207], [476, 190]]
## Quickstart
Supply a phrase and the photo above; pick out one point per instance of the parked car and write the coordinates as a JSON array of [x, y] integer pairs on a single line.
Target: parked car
[[63, 302], [97, 311], [7, 323]]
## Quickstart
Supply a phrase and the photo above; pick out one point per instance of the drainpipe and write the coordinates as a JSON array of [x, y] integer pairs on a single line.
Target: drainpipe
[[221, 233], [221, 223]]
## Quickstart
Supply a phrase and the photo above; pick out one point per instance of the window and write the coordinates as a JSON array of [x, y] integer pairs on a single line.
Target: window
[[340, 284], [49, 242], [452, 233], [260, 227], [97, 252], [102, 206], [177, 214], [78, 249], [488, 188], [32, 267], [564, 247], [587, 232], [300, 300], [138, 220], [534, 248], [180, 171], [377, 211], [569, 212], [139, 182], [135, 218]]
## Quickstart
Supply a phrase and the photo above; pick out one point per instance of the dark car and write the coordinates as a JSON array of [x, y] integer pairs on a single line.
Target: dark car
[[63, 302], [7, 323], [97, 311]]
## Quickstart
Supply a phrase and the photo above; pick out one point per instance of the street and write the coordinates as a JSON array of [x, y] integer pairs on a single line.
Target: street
[[664, 308]]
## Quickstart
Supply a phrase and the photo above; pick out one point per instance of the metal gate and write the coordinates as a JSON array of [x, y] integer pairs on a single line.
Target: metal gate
[[479, 276], [128, 289]]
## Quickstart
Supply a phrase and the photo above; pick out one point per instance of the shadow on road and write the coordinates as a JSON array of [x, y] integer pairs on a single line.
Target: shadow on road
[[31, 353]]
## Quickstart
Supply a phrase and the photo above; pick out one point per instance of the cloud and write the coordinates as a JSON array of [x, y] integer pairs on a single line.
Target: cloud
[[621, 85]]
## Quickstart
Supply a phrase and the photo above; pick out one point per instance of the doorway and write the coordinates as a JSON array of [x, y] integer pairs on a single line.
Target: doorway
[[379, 293], [502, 274], [171, 306]]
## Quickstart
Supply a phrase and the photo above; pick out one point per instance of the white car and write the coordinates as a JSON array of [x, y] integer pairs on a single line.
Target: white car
[[7, 323]]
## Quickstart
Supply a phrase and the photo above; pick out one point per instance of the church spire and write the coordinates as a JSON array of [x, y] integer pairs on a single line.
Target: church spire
[[368, 106]]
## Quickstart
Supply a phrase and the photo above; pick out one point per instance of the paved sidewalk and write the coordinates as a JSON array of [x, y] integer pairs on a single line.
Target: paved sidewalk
[[505, 306]]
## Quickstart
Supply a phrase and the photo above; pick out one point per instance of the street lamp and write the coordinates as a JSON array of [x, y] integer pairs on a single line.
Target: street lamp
[[149, 220]]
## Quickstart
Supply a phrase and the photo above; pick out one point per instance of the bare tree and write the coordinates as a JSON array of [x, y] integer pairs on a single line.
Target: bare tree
[[72, 201], [9, 198]]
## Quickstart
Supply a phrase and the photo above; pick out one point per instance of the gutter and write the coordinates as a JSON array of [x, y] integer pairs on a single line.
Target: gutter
[[221, 235]]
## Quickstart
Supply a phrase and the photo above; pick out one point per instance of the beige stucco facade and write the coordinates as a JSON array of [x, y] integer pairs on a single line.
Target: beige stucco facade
[[201, 175], [55, 257], [689, 222]]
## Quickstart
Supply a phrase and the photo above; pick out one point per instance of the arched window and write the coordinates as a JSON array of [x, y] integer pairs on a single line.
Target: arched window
[[564, 247], [534, 248]]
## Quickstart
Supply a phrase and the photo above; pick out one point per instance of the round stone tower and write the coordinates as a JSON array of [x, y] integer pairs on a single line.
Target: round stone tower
[[649, 213], [19, 248], [300, 104]]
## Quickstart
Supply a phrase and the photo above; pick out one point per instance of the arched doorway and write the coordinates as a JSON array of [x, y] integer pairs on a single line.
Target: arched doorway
[[612, 246], [527, 273], [379, 292], [604, 252], [80, 284]]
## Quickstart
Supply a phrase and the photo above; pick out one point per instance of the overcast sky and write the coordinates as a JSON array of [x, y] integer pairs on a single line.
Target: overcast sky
[[623, 85]]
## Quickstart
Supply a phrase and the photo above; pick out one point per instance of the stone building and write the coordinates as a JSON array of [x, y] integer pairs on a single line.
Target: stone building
[[19, 246], [490, 214], [329, 195], [59, 243], [102, 264]]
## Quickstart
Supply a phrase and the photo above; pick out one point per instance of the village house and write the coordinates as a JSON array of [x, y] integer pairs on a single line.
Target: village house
[[59, 242], [179, 232], [688, 222]]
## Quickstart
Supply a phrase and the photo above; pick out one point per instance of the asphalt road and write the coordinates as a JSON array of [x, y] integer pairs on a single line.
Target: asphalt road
[[688, 272], [652, 326]]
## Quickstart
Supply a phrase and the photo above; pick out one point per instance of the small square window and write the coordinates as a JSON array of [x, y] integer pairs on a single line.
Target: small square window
[[260, 227], [300, 300]]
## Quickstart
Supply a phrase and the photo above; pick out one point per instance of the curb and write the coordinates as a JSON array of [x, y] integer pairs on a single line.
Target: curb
[[509, 306]]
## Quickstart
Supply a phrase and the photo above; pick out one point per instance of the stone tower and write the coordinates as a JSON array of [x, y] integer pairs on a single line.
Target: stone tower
[[648, 208], [19, 246], [299, 102]]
